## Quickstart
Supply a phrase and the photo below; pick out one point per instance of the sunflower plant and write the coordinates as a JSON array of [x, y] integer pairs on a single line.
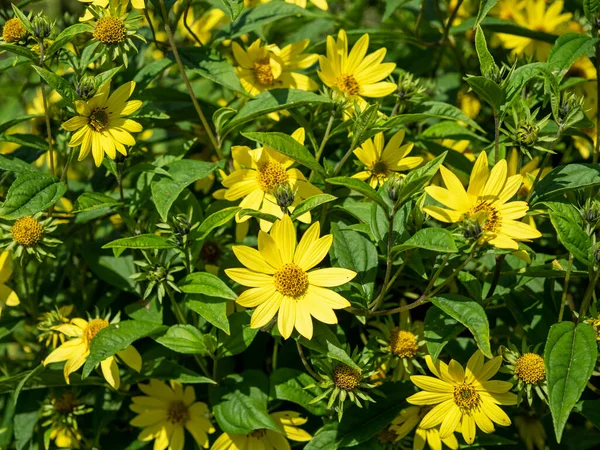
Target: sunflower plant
[[291, 224]]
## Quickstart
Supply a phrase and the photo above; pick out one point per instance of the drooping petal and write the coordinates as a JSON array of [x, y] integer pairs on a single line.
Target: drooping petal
[[110, 370]]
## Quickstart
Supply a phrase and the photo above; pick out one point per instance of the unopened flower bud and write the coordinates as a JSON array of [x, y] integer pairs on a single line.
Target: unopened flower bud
[[472, 229], [85, 87], [394, 187], [42, 28], [181, 224], [528, 133], [590, 212], [285, 196]]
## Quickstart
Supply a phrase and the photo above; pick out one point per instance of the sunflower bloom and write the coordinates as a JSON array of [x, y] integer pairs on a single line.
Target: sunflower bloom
[[165, 412], [75, 351], [257, 176], [102, 125], [288, 422], [381, 162], [280, 276], [408, 419], [484, 207], [463, 398], [8, 297], [355, 75], [540, 16], [261, 68]]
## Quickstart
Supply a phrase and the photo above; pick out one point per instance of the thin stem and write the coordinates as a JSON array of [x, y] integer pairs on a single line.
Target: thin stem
[[342, 161], [185, 15], [327, 131], [587, 298], [450, 22], [46, 113], [563, 299], [538, 175], [306, 364], [149, 20], [188, 85], [389, 261], [597, 144]]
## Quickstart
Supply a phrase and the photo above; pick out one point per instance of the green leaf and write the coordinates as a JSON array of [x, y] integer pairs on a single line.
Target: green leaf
[[142, 241], [311, 203], [13, 164], [435, 239], [117, 337], [439, 329], [211, 64], [102, 78], [563, 179], [207, 284], [351, 250], [5, 126], [568, 49], [484, 8], [234, 8], [417, 179], [590, 409], [570, 356], [487, 65], [184, 339], [183, 173], [287, 146], [21, 51], [146, 74], [58, 83], [448, 129], [364, 124], [431, 110], [240, 403], [240, 337], [591, 8], [357, 185], [572, 236], [23, 18], [272, 101], [290, 385], [216, 220], [324, 341], [211, 309], [66, 36], [391, 6], [31, 193], [90, 201], [487, 90], [163, 369], [471, 314]]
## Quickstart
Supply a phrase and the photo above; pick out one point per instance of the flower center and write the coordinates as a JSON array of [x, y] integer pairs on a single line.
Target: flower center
[[530, 368], [466, 397], [291, 280], [403, 343], [345, 377], [348, 84], [258, 434], [270, 175], [98, 119], [178, 413], [263, 72], [380, 169], [13, 31], [110, 30], [27, 231], [486, 215], [93, 327], [387, 436], [210, 252]]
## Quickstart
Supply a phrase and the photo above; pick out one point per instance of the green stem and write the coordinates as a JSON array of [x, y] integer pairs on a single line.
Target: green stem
[[332, 115], [565, 288], [305, 363], [46, 113], [587, 298], [389, 262]]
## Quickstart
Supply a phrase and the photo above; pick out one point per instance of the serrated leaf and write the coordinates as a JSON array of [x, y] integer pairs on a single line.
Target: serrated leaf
[[570, 356], [90, 201], [563, 179], [471, 314], [567, 49], [487, 65], [66, 36], [310, 203], [142, 241], [572, 236], [431, 110], [324, 341], [357, 185], [487, 90], [58, 83], [434, 239], [206, 284], [13, 164], [234, 8], [31, 193], [184, 339]]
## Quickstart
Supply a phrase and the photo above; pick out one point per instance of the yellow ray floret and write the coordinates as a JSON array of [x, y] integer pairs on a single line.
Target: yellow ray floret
[[102, 125], [283, 282], [484, 205], [8, 297], [463, 399], [381, 162]]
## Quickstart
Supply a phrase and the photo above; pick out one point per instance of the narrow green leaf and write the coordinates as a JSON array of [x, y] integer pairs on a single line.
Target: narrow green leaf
[[206, 284], [31, 193], [57, 83], [324, 341], [142, 241], [23, 18], [484, 8], [67, 35], [311, 203], [234, 8], [183, 339], [13, 164], [570, 356], [487, 90], [591, 8], [487, 65], [568, 49], [357, 185], [417, 179], [216, 220], [90, 201], [432, 110], [21, 51], [572, 236], [211, 309], [290, 385], [434, 239], [211, 64]]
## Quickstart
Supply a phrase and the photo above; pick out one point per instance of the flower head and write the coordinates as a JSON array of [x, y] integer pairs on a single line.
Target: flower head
[[463, 398], [282, 280], [166, 411], [411, 417], [61, 413], [30, 235], [47, 323], [76, 350], [261, 68], [381, 162], [528, 371], [354, 75], [102, 125], [484, 208], [288, 422], [257, 177], [14, 31]]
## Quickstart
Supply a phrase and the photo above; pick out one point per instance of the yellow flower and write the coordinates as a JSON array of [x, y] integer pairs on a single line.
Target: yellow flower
[[278, 273], [288, 421], [355, 75], [538, 16], [528, 171], [8, 297], [468, 103], [261, 68], [409, 418], [77, 349], [204, 26], [485, 205], [506, 9], [102, 126], [258, 174], [47, 323], [463, 398], [164, 412], [381, 162], [65, 436]]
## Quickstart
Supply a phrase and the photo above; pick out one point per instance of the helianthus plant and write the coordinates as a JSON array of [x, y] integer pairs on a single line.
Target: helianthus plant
[[316, 224]]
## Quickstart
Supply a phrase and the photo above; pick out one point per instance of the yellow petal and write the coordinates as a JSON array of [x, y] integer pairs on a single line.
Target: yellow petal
[[284, 234], [451, 422], [468, 428], [437, 414], [431, 384], [131, 357], [251, 298], [479, 175], [265, 312], [75, 123], [331, 277], [69, 349], [110, 370], [286, 319], [248, 278], [252, 259], [315, 253]]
